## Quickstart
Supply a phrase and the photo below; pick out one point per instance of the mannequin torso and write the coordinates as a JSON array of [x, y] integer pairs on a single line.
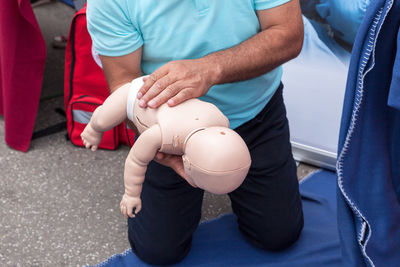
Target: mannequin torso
[[177, 123]]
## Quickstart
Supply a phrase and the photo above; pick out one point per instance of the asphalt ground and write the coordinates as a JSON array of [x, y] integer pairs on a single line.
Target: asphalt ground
[[59, 204]]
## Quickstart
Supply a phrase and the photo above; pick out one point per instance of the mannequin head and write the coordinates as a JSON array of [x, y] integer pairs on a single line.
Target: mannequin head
[[216, 159]]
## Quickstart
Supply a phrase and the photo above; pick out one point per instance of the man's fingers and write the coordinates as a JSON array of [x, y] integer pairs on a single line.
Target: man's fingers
[[147, 83], [163, 159], [163, 87], [160, 155], [166, 94], [177, 164], [189, 182], [174, 162], [180, 97], [151, 80], [181, 171]]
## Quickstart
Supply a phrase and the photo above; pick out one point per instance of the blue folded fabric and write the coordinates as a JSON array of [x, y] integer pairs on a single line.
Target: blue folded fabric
[[394, 92], [219, 243], [368, 164], [343, 16]]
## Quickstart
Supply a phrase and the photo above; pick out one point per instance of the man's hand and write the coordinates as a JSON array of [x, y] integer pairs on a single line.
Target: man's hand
[[176, 82], [174, 162]]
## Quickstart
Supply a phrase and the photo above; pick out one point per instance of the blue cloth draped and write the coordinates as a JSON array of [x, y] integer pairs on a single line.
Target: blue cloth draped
[[218, 242], [369, 160]]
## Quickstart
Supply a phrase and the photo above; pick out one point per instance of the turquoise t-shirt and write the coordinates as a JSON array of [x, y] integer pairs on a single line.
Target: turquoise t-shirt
[[186, 29]]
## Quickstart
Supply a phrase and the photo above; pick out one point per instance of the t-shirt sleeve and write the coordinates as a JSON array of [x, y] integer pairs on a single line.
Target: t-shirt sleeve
[[111, 28], [266, 4]]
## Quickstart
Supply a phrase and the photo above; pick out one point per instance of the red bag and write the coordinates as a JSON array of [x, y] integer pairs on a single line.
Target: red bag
[[85, 87]]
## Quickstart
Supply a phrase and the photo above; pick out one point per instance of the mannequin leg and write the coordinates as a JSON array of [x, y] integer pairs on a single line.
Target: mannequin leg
[[268, 204], [171, 210]]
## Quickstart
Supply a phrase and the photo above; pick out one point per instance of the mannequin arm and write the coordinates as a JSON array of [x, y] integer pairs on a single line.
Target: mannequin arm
[[105, 117], [113, 110], [142, 152]]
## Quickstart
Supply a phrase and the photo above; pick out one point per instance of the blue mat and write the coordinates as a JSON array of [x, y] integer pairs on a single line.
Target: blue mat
[[218, 242], [68, 2]]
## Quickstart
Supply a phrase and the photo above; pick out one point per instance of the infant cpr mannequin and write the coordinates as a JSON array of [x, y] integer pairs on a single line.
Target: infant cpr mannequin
[[215, 158]]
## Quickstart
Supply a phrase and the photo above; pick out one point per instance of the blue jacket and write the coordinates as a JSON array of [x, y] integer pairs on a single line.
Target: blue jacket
[[368, 164]]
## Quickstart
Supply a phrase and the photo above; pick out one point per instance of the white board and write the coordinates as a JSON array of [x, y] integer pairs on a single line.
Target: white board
[[314, 86]]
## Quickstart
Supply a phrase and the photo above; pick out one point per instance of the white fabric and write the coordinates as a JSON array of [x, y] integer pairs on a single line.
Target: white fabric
[[136, 84]]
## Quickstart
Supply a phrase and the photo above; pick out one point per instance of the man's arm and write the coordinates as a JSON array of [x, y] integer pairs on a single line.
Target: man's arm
[[121, 70], [280, 40]]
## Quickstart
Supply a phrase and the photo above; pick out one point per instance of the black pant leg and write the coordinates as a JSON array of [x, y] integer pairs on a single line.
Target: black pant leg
[[268, 204], [161, 233]]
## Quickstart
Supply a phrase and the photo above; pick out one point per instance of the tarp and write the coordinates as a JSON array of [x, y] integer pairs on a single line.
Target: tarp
[[219, 243]]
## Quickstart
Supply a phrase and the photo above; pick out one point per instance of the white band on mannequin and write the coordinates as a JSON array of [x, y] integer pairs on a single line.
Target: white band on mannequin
[[136, 84]]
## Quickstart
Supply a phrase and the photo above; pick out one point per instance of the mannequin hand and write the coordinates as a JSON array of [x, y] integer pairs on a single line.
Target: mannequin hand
[[90, 137], [174, 162], [128, 203], [176, 82]]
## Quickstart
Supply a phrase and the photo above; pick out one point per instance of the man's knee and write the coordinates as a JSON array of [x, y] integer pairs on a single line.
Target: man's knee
[[281, 236], [160, 252], [276, 236]]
